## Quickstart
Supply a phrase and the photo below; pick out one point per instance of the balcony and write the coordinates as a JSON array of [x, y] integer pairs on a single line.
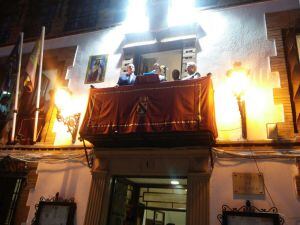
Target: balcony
[[150, 114]]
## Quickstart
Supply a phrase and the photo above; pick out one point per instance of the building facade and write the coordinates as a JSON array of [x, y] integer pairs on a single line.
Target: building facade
[[254, 157]]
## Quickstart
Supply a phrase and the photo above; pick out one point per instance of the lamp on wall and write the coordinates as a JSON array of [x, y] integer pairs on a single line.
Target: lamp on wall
[[238, 80], [64, 114]]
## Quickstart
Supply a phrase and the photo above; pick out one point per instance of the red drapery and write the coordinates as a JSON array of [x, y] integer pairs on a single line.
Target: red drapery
[[167, 107]]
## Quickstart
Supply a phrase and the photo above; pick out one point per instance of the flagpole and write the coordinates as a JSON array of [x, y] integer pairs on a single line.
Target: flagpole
[[39, 88], [15, 112]]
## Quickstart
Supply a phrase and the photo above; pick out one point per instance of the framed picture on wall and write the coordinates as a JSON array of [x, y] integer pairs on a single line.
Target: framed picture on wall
[[54, 211], [96, 69], [250, 218], [249, 214]]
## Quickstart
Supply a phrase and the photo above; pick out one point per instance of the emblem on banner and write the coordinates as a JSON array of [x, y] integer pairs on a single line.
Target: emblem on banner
[[142, 105]]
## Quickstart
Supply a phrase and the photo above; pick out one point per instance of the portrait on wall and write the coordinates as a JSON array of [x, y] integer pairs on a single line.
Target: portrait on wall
[[96, 69]]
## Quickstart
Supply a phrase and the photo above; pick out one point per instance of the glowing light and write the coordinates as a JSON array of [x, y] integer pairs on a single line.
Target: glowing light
[[68, 105], [174, 182], [62, 137], [227, 113], [260, 111], [136, 20], [238, 79], [63, 101], [178, 38], [181, 12], [62, 98]]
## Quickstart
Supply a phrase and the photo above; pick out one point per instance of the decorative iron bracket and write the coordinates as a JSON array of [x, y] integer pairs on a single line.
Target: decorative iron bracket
[[89, 160], [72, 123]]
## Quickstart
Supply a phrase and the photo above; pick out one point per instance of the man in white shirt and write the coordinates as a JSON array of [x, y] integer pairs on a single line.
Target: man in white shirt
[[191, 69]]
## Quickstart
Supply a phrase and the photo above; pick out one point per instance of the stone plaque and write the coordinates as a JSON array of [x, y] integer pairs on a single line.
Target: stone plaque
[[248, 184]]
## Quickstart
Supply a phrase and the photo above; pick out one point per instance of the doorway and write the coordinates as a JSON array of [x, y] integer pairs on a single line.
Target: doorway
[[148, 201]]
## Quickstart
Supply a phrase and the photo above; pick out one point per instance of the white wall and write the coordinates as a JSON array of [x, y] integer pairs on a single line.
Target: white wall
[[239, 34], [279, 178], [71, 180]]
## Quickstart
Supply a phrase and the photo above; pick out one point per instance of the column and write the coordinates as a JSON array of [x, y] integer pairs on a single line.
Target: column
[[198, 199], [95, 202]]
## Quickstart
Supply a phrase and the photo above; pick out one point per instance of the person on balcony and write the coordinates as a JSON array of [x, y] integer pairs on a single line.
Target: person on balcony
[[191, 69], [129, 77], [155, 70], [176, 74], [163, 73], [160, 70]]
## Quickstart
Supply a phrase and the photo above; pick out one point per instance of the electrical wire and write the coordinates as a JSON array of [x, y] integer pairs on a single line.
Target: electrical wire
[[265, 186], [283, 154], [51, 157], [237, 128]]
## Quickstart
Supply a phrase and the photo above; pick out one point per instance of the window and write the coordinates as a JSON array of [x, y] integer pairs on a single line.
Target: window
[[94, 13], [9, 193], [39, 13]]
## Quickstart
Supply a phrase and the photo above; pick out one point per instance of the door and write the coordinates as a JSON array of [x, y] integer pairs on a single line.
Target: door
[[9, 192]]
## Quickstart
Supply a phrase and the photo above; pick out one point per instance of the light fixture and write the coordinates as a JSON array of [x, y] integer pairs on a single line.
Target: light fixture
[[139, 39], [64, 114], [136, 20], [174, 182], [184, 37], [184, 33], [238, 80], [141, 43]]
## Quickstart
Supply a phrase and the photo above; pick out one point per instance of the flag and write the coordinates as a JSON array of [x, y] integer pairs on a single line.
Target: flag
[[8, 86], [11, 69], [32, 65]]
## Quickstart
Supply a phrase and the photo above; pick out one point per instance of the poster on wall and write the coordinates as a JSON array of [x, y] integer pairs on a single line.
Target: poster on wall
[[95, 72]]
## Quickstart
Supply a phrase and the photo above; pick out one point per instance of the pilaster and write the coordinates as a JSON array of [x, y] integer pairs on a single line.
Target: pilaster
[[198, 199], [95, 202]]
